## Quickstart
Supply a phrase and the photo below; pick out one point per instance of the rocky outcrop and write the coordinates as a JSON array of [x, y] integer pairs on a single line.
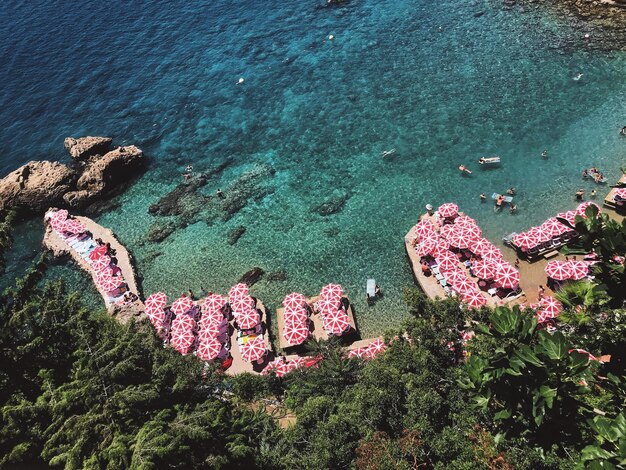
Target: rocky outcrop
[[253, 276], [235, 234], [37, 186], [332, 206], [85, 147], [40, 184]]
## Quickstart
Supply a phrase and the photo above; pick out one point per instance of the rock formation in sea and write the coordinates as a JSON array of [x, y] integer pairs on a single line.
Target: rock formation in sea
[[95, 172]]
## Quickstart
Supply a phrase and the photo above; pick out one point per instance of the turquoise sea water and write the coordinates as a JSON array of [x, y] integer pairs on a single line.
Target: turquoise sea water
[[431, 79]]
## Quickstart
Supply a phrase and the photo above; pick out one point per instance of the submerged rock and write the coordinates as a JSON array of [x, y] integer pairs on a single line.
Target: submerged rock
[[183, 198], [235, 234], [160, 231], [280, 275], [253, 276], [332, 206], [85, 147]]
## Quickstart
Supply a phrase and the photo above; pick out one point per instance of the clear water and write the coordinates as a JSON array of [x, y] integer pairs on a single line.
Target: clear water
[[430, 79]]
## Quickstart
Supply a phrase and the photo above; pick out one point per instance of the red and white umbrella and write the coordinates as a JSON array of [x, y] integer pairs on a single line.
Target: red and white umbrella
[[208, 349], [474, 299], [464, 286], [209, 330], [182, 305], [357, 352], [296, 315], [540, 234], [101, 263], [108, 282], [507, 276], [97, 252], [456, 276], [468, 230], [294, 300], [448, 209], [158, 299], [73, 226], [461, 240], [621, 192], [492, 253], [465, 220], [284, 368], [59, 216], [424, 228], [211, 318], [242, 304], [570, 216], [558, 270], [155, 314], [213, 302], [552, 228], [331, 291], [580, 210], [253, 350], [238, 290], [183, 322], [375, 347], [248, 319], [447, 264], [425, 247], [481, 245], [526, 240], [550, 307], [442, 247], [272, 365], [446, 230], [484, 269], [325, 306], [579, 269], [336, 322], [182, 340], [295, 333]]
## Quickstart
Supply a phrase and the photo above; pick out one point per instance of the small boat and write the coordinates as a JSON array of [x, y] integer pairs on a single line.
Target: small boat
[[594, 173], [489, 160]]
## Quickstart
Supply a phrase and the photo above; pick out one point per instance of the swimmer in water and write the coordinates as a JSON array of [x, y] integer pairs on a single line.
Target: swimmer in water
[[578, 76], [388, 153], [463, 169], [544, 154]]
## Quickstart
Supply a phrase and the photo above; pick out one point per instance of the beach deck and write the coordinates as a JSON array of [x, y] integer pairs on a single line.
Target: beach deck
[[316, 324], [609, 199], [55, 244]]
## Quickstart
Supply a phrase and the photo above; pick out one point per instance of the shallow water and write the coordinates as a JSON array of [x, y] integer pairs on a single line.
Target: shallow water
[[435, 82]]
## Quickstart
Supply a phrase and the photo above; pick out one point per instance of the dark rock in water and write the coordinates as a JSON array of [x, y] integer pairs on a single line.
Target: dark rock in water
[[175, 201], [332, 232], [85, 147], [150, 257], [252, 277], [100, 207], [236, 234], [478, 14], [252, 185], [331, 206], [280, 275], [160, 231]]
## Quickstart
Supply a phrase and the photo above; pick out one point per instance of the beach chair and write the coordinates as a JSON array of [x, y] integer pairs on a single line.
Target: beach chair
[[370, 288]]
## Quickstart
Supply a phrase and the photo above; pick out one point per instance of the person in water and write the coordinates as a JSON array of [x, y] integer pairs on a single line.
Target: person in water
[[578, 76], [544, 154], [483, 197], [511, 191], [513, 209], [593, 193], [579, 194], [463, 169], [585, 173], [623, 131]]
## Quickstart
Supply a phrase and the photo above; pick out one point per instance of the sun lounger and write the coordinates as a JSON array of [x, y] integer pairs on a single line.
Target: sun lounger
[[370, 288]]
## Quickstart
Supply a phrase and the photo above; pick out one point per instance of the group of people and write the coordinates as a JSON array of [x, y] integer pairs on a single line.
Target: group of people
[[596, 174]]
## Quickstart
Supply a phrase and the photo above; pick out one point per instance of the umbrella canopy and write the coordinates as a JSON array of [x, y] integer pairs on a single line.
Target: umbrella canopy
[[558, 270], [336, 322], [507, 276], [253, 350], [580, 210], [465, 220], [213, 302], [474, 299], [446, 230], [183, 322], [284, 368], [208, 349], [97, 252], [108, 282], [295, 333], [210, 329], [182, 340], [59, 216], [570, 216], [155, 314], [101, 263], [424, 228], [211, 318], [425, 247], [464, 286], [182, 305], [294, 300], [550, 307], [484, 269], [295, 315], [481, 245], [468, 230], [238, 290], [158, 299], [357, 352], [461, 240], [248, 319], [325, 306], [492, 253], [553, 228], [242, 304], [578, 269], [375, 347], [448, 209], [441, 248], [273, 365], [447, 264], [456, 276], [525, 240], [73, 226], [331, 291]]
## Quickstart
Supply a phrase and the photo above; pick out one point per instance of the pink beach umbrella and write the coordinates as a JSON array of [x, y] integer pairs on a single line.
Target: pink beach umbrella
[[296, 315], [493, 254], [208, 349], [570, 216], [182, 305], [59, 216], [558, 270], [468, 230], [336, 322], [73, 226], [456, 276], [158, 299], [108, 282], [101, 263], [447, 264], [273, 365], [461, 240], [208, 332], [295, 333], [442, 246], [284, 368], [479, 245], [325, 306], [357, 352], [484, 269], [237, 291], [553, 228], [446, 230], [424, 229], [253, 350], [182, 340], [464, 286], [465, 220], [525, 240], [578, 269], [474, 299], [183, 322], [507, 276], [550, 307], [298, 362], [242, 303], [155, 314], [213, 319], [448, 210], [294, 300], [375, 348], [331, 291], [580, 210], [248, 319], [98, 252], [213, 302], [425, 247]]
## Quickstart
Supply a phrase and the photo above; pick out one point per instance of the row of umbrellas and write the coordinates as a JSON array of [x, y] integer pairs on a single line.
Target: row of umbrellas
[[564, 270], [373, 349], [550, 229], [295, 318], [62, 222], [335, 319], [547, 308], [247, 317], [281, 366]]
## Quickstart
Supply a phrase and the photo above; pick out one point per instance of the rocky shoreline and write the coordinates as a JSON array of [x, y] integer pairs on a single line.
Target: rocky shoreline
[[96, 171]]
